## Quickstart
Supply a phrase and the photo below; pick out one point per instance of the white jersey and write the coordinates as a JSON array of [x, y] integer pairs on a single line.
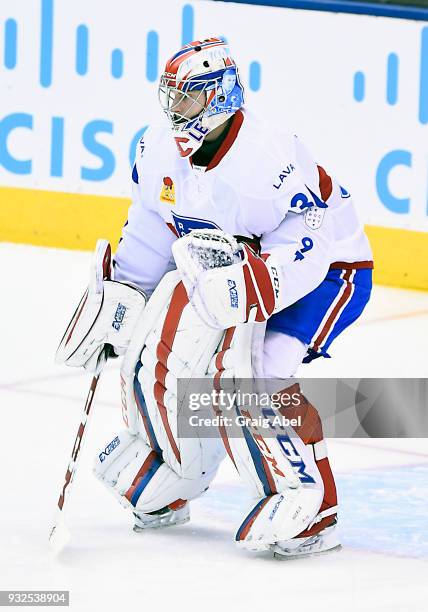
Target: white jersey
[[261, 185]]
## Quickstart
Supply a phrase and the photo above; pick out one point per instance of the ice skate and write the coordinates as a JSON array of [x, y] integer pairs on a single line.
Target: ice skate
[[325, 541], [161, 518]]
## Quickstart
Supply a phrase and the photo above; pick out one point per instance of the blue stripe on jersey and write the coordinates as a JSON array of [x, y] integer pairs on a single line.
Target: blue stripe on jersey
[[135, 174], [303, 318]]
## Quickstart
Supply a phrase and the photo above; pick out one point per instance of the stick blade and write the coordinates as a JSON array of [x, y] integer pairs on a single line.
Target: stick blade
[[59, 536]]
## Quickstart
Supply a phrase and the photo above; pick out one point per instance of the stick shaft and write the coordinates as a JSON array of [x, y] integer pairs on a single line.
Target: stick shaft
[[78, 444], [60, 535]]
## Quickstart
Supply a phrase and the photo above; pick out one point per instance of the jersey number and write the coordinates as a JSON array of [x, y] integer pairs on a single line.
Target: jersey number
[[307, 244], [305, 202]]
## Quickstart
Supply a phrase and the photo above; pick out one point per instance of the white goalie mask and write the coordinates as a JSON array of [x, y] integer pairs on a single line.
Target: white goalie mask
[[199, 90]]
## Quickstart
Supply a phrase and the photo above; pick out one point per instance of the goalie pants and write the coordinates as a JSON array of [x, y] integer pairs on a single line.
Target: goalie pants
[[319, 317]]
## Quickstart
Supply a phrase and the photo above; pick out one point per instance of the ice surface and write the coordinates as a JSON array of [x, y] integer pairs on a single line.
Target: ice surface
[[383, 484]]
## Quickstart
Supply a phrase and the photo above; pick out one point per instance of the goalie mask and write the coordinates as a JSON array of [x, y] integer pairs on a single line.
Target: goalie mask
[[199, 90]]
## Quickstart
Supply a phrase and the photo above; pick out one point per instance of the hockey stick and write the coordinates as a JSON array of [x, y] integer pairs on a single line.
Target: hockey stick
[[60, 534]]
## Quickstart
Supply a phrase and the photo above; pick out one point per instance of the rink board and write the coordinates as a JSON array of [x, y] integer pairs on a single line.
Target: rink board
[[76, 221], [76, 100]]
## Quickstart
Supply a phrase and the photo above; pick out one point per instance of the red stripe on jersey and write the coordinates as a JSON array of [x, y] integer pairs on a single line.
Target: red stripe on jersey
[[227, 143], [325, 183], [173, 230], [332, 318], [353, 265], [183, 152]]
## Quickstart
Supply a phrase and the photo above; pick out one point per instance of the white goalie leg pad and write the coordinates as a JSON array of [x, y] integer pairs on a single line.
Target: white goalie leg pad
[[279, 517], [264, 462], [282, 472], [139, 465], [177, 345], [137, 476], [156, 305], [278, 468]]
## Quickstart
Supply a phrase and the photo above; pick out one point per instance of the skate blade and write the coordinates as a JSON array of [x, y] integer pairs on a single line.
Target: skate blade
[[138, 529], [302, 555]]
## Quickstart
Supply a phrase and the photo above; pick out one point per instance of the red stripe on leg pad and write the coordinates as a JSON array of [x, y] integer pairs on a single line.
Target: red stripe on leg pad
[[177, 504], [252, 299], [248, 526], [160, 373], [143, 469], [178, 302], [227, 342], [310, 430], [162, 353]]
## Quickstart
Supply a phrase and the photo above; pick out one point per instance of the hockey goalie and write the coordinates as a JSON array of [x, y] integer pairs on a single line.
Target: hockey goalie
[[241, 258]]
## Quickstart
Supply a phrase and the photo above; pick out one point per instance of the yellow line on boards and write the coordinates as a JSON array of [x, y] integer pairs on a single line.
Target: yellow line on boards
[[62, 220], [76, 221], [400, 256]]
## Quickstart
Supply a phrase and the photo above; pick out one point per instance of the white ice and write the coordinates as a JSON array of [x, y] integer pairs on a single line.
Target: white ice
[[383, 484]]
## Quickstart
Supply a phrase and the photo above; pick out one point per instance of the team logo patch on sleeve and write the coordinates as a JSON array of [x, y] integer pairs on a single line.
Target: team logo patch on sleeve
[[314, 217], [167, 193]]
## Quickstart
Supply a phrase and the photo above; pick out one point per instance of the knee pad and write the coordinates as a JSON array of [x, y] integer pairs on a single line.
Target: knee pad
[[139, 478], [282, 354]]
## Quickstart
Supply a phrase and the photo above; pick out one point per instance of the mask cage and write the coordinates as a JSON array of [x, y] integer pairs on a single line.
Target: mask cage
[[173, 94]]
